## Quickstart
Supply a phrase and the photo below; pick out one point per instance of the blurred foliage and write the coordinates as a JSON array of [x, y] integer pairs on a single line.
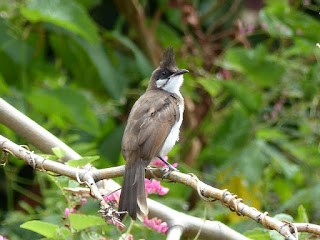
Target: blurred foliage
[[251, 123]]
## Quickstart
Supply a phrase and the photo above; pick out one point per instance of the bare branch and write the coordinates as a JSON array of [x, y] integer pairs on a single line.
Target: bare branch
[[89, 176], [190, 225], [31, 131], [175, 232], [179, 221]]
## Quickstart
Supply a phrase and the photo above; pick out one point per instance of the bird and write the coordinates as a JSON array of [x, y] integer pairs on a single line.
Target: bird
[[152, 129]]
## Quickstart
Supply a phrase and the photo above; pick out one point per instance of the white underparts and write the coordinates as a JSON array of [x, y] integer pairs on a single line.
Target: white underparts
[[173, 85]]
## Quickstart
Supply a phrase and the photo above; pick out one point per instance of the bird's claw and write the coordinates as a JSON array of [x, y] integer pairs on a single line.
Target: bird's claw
[[170, 169]]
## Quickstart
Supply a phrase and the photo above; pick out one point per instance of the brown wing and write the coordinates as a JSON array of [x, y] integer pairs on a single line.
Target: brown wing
[[149, 124]]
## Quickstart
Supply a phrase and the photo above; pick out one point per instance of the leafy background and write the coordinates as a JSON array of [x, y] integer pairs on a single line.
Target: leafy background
[[251, 123]]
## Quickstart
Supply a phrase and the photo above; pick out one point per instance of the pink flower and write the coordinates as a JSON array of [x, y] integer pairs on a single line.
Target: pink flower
[[251, 29], [274, 114], [265, 116], [277, 107], [154, 187], [117, 224], [115, 197], [306, 2], [226, 74], [67, 211], [3, 238], [264, 25], [156, 224], [159, 163], [242, 30], [83, 201]]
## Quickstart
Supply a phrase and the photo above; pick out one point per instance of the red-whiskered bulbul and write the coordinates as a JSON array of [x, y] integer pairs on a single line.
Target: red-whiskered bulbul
[[152, 130]]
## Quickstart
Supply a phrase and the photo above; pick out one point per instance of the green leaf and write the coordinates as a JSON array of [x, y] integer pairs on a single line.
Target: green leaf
[[66, 14], [311, 82], [4, 88], [59, 152], [167, 36], [258, 234], [80, 222], [302, 215], [283, 20], [46, 229], [94, 235], [261, 68], [231, 135], [280, 161], [111, 145], [270, 134], [82, 161], [283, 216], [274, 235], [89, 3], [64, 232], [248, 97], [212, 86], [275, 27], [27, 207], [66, 104], [251, 162], [110, 79], [302, 196], [300, 47], [142, 62], [282, 188], [19, 51]]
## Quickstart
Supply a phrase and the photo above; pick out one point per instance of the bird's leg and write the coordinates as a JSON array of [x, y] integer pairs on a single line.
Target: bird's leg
[[171, 168]]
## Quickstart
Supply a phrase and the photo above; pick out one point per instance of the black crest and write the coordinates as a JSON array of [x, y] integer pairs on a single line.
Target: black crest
[[168, 59]]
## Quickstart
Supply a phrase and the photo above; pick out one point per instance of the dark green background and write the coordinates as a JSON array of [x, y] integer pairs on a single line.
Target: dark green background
[[251, 123]]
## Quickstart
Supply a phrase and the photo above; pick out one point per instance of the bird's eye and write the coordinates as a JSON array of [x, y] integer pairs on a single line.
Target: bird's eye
[[164, 73]]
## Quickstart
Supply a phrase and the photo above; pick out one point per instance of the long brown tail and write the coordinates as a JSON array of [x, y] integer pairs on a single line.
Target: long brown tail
[[133, 193]]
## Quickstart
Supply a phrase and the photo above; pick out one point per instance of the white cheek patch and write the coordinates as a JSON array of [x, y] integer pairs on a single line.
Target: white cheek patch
[[173, 85], [161, 82]]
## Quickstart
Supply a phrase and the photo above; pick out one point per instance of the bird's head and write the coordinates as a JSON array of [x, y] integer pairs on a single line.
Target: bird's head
[[167, 76]]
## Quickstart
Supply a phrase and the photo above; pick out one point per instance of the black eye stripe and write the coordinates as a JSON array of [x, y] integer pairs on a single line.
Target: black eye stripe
[[163, 74]]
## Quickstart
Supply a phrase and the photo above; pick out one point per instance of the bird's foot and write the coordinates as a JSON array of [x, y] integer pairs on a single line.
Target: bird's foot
[[171, 168]]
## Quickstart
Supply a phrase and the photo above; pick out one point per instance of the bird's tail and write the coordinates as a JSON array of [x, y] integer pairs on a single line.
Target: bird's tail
[[133, 194]]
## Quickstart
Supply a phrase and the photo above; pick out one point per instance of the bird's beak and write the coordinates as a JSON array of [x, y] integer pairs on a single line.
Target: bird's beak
[[179, 72]]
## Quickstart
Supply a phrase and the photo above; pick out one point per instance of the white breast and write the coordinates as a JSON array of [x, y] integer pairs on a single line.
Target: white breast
[[173, 136]]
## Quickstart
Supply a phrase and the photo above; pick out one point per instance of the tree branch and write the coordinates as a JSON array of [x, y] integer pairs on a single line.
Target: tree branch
[[31, 131], [189, 224], [180, 222], [90, 177]]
